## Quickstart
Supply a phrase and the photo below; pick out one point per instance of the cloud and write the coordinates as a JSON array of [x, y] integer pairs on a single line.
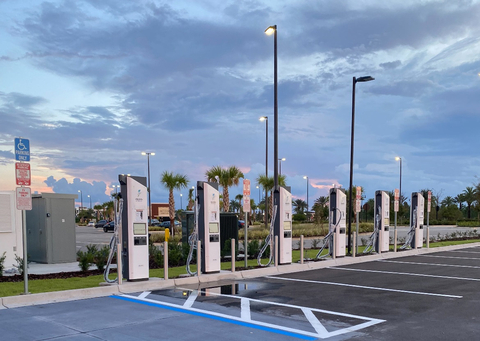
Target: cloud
[[96, 190]]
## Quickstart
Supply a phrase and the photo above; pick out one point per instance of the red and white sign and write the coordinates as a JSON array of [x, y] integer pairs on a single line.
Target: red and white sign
[[395, 202], [429, 202], [24, 198], [22, 174], [246, 195], [358, 201]]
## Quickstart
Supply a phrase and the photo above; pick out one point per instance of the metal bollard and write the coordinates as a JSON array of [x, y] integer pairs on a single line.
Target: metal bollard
[[165, 260], [119, 264], [333, 246], [395, 240], [275, 248], [428, 237], [301, 249], [199, 258]]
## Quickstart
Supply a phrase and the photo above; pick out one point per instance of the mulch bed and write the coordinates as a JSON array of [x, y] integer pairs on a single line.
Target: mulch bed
[[60, 275]]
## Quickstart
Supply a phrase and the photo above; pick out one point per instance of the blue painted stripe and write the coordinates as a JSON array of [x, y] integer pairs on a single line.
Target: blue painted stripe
[[218, 318]]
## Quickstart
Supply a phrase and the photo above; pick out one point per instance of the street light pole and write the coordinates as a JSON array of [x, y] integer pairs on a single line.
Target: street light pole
[[280, 165], [89, 197], [181, 201], [355, 81], [81, 199], [306, 177], [400, 189], [148, 189], [265, 118], [276, 192]]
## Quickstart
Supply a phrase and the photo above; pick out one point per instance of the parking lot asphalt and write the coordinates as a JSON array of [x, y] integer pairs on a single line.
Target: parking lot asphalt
[[415, 296]]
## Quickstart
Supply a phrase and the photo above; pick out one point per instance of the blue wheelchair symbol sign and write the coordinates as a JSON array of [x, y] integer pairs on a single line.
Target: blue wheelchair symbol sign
[[22, 149]]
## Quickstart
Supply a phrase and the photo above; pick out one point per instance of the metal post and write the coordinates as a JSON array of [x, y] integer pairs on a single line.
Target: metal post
[[354, 242], [25, 254], [275, 248], [266, 173], [232, 246], [351, 168], [356, 235], [333, 247], [165, 260], [199, 257], [149, 197], [119, 264], [245, 252], [395, 234], [301, 249], [428, 230]]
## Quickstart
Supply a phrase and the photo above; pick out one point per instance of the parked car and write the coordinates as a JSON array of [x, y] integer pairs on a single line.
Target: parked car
[[241, 224], [166, 223], [109, 227], [91, 224], [100, 223], [154, 222]]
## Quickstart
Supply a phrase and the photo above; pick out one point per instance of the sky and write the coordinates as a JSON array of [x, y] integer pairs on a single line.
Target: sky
[[92, 84]]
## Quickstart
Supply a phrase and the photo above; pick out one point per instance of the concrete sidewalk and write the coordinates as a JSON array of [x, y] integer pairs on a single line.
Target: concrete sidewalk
[[156, 283]]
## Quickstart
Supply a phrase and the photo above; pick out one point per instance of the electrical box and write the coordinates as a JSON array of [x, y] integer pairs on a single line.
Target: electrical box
[[417, 218], [382, 221], [284, 231], [337, 221], [209, 225], [134, 227]]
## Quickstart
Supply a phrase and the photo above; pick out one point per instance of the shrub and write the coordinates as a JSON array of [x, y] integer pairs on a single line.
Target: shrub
[[2, 263], [85, 259], [155, 256], [253, 248], [175, 254], [19, 264], [100, 257], [300, 217]]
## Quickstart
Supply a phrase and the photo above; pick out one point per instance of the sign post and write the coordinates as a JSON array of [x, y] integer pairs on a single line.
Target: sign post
[[429, 206], [23, 194], [246, 209], [357, 211], [395, 208]]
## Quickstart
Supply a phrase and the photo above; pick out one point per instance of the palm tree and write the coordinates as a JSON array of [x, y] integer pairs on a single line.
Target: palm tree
[[469, 197], [173, 181], [225, 178], [299, 205], [268, 183], [448, 201], [191, 200]]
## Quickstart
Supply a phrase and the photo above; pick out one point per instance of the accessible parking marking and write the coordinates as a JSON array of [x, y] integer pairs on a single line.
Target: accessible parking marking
[[365, 287], [247, 320]]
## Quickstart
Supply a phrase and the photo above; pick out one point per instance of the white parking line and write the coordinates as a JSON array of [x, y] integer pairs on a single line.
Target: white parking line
[[191, 299], [448, 257], [365, 287], [144, 294], [433, 264], [463, 251], [407, 274]]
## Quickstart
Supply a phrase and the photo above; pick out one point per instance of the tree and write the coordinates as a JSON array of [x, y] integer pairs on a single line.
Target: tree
[[268, 183], [320, 207], [173, 181], [299, 205], [225, 178], [470, 196], [191, 200]]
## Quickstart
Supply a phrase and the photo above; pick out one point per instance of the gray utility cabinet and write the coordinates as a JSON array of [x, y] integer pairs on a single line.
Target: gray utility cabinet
[[51, 228]]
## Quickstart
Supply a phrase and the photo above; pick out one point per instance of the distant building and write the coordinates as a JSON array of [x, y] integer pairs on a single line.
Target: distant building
[[160, 211]]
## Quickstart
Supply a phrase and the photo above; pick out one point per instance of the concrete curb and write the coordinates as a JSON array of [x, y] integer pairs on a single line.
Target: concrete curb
[[158, 283]]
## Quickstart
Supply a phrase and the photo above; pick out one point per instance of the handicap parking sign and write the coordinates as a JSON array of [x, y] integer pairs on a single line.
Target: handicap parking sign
[[22, 149]]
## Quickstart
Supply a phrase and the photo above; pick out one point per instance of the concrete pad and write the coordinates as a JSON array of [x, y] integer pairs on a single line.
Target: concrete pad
[[1, 304], [57, 296], [187, 280], [289, 268], [267, 271], [153, 284], [220, 277]]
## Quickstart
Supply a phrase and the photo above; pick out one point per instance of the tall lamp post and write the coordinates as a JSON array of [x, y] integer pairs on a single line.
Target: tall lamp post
[[181, 201], [276, 193], [306, 177], [355, 81], [89, 197], [398, 158], [81, 199], [280, 165], [148, 189], [265, 118]]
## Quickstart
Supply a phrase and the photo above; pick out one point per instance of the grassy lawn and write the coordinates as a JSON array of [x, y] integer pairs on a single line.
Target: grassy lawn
[[49, 285]]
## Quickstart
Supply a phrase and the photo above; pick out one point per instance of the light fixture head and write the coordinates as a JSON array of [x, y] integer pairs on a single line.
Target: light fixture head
[[152, 153], [143, 153], [271, 30], [397, 158], [365, 79], [305, 177], [263, 118]]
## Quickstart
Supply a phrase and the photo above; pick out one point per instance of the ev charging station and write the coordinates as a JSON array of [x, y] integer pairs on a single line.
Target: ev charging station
[[337, 220], [134, 227], [284, 229], [416, 219], [382, 221], [209, 225]]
